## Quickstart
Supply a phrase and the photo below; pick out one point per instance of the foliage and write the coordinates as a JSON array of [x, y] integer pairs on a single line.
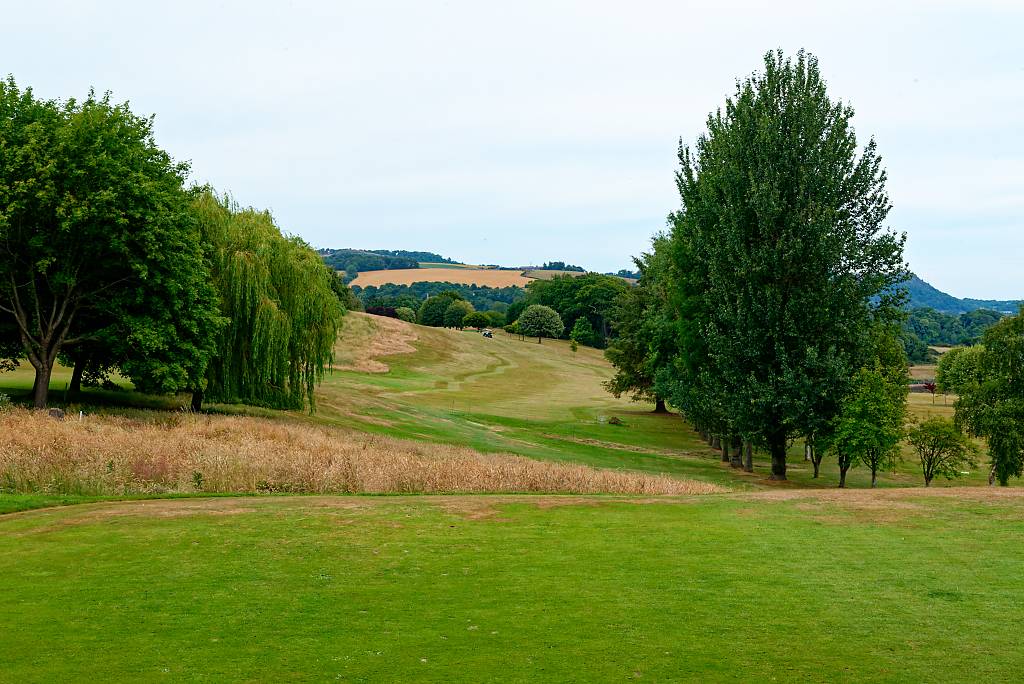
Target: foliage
[[644, 330], [782, 223], [455, 314], [419, 257], [495, 319], [406, 314], [869, 427], [591, 296], [582, 332], [432, 311], [344, 293], [958, 369], [356, 260], [921, 294], [481, 297], [935, 328], [941, 448], [278, 298], [100, 255], [560, 266], [991, 403], [476, 319], [540, 321]]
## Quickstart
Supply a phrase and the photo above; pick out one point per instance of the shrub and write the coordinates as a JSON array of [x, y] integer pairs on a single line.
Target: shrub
[[406, 314]]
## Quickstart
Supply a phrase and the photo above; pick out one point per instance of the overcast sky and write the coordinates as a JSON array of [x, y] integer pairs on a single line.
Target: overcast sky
[[520, 132]]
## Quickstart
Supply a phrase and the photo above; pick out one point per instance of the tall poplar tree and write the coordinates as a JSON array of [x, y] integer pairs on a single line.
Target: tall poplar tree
[[783, 218]]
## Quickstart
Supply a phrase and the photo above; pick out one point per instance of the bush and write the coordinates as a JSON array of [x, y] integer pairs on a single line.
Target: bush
[[406, 314]]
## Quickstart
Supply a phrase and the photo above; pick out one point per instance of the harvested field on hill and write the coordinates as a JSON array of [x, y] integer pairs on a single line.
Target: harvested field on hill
[[488, 277], [180, 452]]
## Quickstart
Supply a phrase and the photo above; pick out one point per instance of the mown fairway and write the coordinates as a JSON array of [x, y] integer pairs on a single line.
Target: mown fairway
[[760, 587]]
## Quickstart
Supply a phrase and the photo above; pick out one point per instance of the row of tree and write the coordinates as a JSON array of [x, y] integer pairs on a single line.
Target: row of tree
[[110, 263], [770, 309]]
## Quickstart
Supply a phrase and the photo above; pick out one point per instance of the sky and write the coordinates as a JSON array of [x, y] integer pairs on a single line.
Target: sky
[[523, 132]]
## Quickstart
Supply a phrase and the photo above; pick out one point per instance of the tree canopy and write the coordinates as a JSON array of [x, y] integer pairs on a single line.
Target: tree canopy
[[540, 321], [781, 229], [277, 296], [99, 250], [991, 403]]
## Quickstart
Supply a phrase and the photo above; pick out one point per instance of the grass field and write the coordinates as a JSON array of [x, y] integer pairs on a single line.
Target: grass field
[[777, 586], [750, 581], [488, 277]]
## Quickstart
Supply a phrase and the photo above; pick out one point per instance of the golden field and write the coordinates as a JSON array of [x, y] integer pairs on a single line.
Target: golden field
[[485, 277], [160, 452]]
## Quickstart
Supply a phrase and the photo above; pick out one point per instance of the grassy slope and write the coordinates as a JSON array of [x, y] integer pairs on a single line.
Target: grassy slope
[[508, 395], [543, 401], [449, 589]]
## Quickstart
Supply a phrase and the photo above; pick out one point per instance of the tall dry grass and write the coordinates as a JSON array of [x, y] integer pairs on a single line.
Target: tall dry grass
[[167, 452]]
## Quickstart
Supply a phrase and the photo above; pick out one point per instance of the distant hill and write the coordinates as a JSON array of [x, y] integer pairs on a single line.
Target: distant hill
[[924, 295]]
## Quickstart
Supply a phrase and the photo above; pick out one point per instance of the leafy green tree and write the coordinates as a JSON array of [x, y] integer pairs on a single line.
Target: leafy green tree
[[869, 427], [406, 314], [495, 319], [644, 332], [476, 319], [344, 293], [992, 405], [433, 309], [283, 313], [456, 313], [591, 295], [959, 369], [783, 220], [98, 247], [540, 321], [582, 332], [941, 449]]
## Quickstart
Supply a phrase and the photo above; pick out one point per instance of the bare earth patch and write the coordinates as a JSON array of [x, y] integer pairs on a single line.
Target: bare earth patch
[[385, 337]]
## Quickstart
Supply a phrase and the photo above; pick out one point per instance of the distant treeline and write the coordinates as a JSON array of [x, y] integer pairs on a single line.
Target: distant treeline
[[396, 296], [926, 327], [560, 266]]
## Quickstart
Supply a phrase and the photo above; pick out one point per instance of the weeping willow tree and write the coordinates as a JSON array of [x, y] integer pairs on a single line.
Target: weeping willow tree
[[275, 293]]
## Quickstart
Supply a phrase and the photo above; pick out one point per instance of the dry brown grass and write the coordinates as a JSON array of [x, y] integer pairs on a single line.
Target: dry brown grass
[[167, 452], [365, 339], [465, 276]]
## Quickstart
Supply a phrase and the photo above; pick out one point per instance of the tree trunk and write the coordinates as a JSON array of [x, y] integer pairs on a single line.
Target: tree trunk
[[76, 376], [725, 450], [777, 448], [927, 481], [807, 451], [659, 405], [842, 477], [748, 460], [716, 443], [41, 389], [992, 475], [874, 476], [816, 462], [737, 453], [197, 400]]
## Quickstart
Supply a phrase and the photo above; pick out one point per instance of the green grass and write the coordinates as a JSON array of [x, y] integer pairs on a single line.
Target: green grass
[[717, 588]]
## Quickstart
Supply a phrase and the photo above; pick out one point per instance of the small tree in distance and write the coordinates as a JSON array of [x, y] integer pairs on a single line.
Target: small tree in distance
[[540, 321], [456, 312], [941, 448], [476, 319]]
